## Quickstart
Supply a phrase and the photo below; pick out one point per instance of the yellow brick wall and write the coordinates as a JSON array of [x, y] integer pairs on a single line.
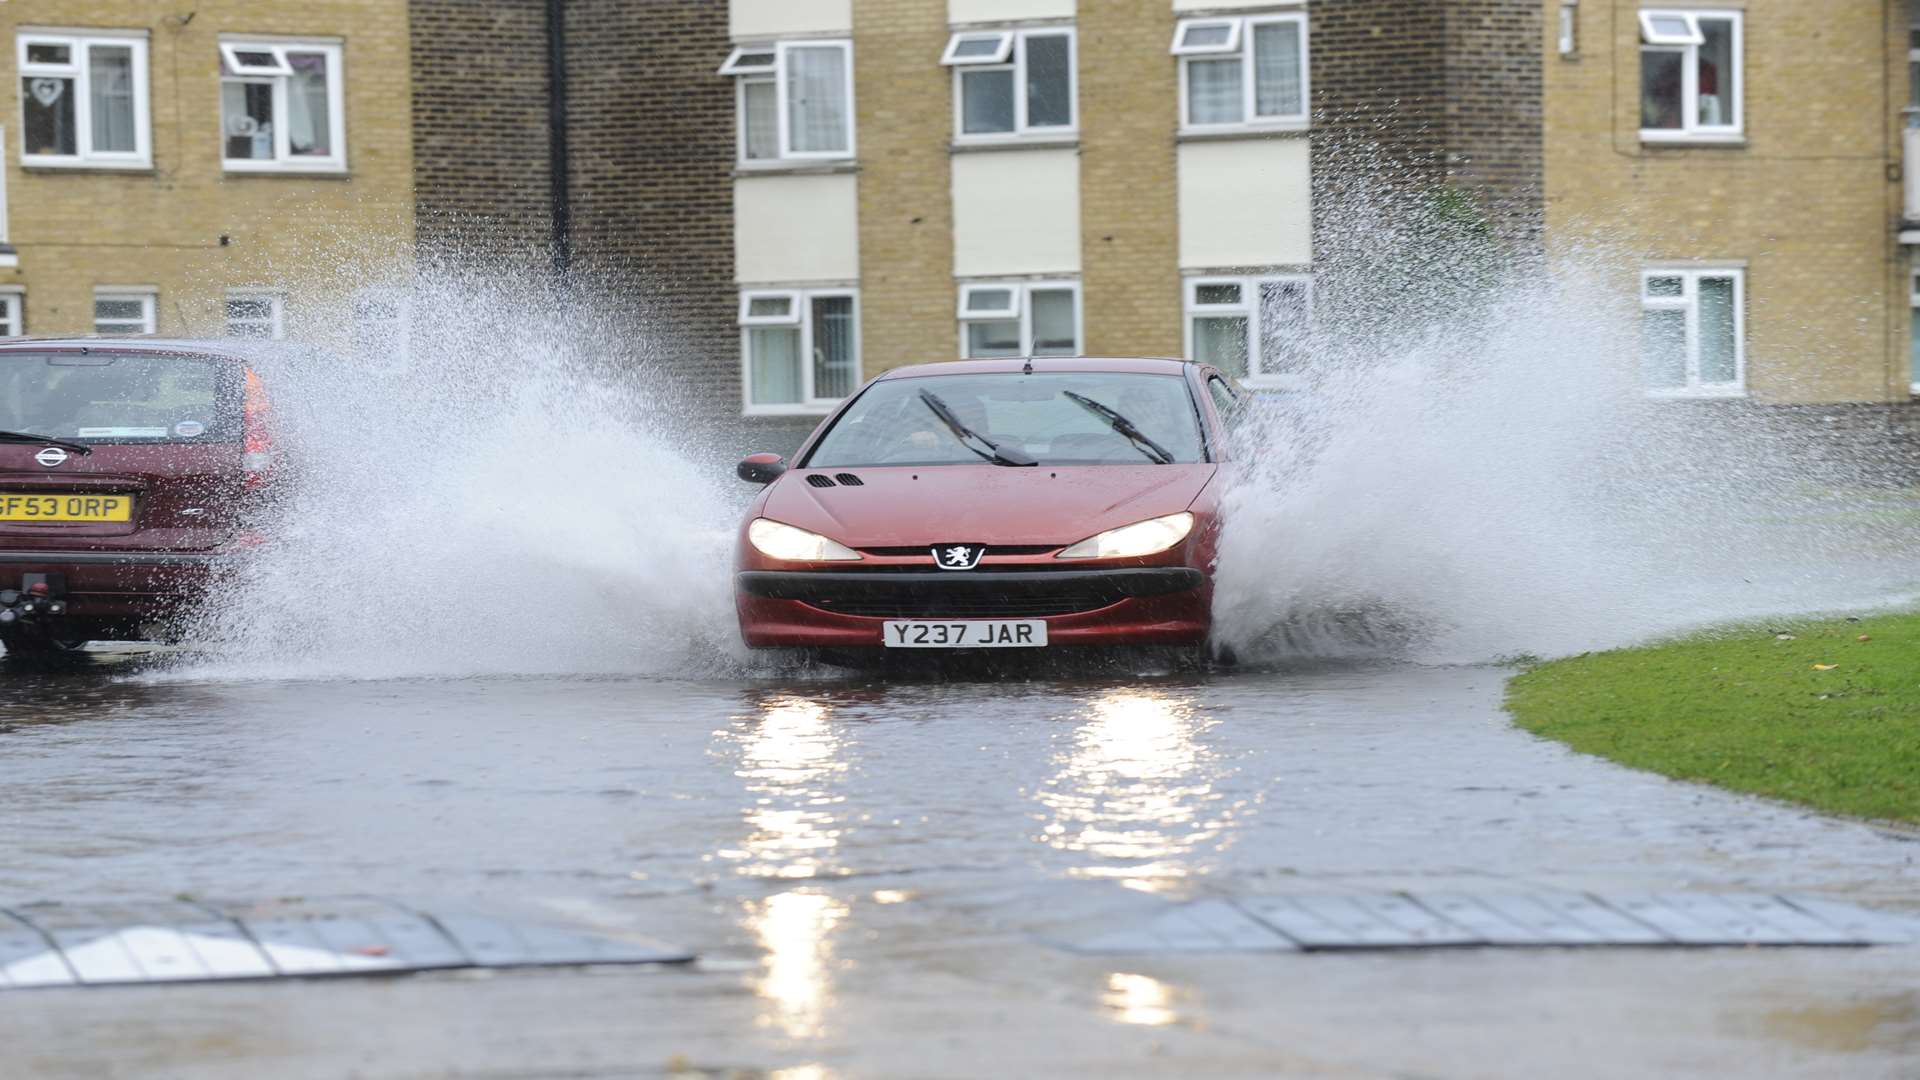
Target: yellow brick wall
[[904, 109], [1129, 213], [76, 229], [1808, 200]]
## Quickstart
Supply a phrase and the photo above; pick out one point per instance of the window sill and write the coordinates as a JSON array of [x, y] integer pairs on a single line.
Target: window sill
[[1277, 131], [788, 411], [1691, 138], [795, 168], [1730, 394], [338, 171], [31, 164], [1015, 142]]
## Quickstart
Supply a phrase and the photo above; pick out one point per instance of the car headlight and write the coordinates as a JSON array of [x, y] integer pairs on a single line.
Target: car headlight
[[1130, 541], [779, 541]]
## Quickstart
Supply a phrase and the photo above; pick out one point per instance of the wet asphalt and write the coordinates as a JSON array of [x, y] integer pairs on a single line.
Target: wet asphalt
[[877, 871]]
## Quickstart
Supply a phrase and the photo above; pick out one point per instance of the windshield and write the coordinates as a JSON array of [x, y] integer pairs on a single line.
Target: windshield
[[1052, 417], [120, 397]]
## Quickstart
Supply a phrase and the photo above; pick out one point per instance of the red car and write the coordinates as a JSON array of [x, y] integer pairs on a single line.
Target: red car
[[977, 504], [127, 468]]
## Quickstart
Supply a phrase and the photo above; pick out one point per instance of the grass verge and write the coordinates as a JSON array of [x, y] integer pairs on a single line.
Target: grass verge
[[1826, 718]]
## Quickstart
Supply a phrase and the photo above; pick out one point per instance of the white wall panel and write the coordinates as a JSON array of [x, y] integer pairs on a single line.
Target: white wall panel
[[796, 229], [1245, 202], [777, 18], [1016, 212], [1222, 5], [977, 11]]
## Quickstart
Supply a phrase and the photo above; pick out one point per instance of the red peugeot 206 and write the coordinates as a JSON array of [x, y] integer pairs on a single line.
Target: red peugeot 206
[[985, 504], [127, 468]]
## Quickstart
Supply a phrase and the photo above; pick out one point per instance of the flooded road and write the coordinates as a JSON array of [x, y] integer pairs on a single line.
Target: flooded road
[[873, 870]]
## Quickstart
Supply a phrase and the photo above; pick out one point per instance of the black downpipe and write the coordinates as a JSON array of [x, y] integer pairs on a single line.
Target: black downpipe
[[557, 168]]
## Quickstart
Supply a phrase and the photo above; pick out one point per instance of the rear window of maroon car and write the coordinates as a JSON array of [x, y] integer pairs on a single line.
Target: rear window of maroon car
[[104, 397], [891, 424]]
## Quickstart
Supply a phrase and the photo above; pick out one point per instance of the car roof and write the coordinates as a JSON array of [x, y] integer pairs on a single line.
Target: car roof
[[1156, 365], [228, 347]]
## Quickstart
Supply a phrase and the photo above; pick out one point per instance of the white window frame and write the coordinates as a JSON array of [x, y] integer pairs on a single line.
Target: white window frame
[[1913, 299], [1016, 62], [276, 321], [1689, 301], [802, 316], [79, 43], [283, 160], [780, 98], [13, 303], [1235, 27], [1249, 308], [1243, 46], [736, 62], [1003, 51], [8, 257], [1688, 49], [1022, 290], [147, 295]]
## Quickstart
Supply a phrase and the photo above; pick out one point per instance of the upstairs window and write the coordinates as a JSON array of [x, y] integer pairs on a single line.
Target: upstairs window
[[281, 106], [1253, 328], [801, 348], [1012, 83], [83, 100], [1242, 71], [1690, 74], [124, 311], [1692, 330], [1019, 318], [794, 100]]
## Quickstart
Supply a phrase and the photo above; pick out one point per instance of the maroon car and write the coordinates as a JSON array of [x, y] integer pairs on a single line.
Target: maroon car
[[994, 504], [127, 469]]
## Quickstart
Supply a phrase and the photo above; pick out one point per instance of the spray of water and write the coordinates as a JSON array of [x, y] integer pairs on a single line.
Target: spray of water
[[1469, 469]]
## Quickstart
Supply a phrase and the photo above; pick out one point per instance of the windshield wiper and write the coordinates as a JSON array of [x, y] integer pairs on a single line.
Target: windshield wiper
[[1124, 426], [43, 440], [994, 452]]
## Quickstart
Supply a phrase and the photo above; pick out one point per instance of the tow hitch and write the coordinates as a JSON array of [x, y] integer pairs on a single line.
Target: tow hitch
[[39, 597]]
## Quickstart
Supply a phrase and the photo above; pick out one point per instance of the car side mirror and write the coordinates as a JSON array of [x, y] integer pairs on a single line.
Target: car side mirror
[[761, 468]]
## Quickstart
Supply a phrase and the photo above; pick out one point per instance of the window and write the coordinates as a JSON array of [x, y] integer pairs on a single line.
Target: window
[[83, 99], [1008, 83], [12, 321], [282, 107], [1692, 326], [794, 98], [1248, 71], [1913, 64], [1253, 328], [124, 311], [1690, 75], [256, 315], [1914, 346], [1020, 318], [801, 348]]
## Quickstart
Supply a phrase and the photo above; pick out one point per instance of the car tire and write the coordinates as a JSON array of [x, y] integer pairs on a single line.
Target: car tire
[[27, 644]]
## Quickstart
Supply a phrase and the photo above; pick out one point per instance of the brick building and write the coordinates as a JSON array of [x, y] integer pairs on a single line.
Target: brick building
[[1744, 163], [794, 194], [170, 169]]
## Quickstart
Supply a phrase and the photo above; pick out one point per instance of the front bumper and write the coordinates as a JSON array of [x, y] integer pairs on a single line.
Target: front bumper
[[1163, 605]]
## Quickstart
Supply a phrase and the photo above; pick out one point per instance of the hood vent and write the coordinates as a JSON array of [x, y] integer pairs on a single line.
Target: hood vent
[[819, 480], [847, 479]]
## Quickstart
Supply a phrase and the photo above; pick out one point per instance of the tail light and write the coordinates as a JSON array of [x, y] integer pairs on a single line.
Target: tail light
[[257, 455]]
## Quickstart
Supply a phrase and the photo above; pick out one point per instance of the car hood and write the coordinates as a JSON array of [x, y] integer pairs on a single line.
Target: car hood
[[898, 506]]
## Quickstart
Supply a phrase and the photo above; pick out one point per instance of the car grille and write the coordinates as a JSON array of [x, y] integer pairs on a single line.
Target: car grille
[[1028, 606], [992, 549]]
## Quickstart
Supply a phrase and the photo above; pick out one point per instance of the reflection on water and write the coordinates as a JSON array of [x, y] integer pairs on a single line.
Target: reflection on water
[[796, 985], [789, 757], [1138, 999], [1135, 791]]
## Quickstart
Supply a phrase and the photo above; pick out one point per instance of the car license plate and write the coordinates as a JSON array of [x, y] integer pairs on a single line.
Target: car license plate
[[25, 506], [971, 634]]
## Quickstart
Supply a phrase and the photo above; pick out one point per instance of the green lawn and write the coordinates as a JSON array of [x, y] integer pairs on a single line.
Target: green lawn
[[1745, 710]]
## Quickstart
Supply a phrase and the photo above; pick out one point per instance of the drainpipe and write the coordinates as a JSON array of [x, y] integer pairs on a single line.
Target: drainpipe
[[557, 135]]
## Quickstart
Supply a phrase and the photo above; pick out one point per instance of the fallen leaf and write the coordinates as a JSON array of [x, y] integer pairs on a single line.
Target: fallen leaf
[[1825, 667], [1864, 637]]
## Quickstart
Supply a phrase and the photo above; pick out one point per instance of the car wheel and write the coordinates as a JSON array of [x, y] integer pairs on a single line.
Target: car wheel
[[25, 644]]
